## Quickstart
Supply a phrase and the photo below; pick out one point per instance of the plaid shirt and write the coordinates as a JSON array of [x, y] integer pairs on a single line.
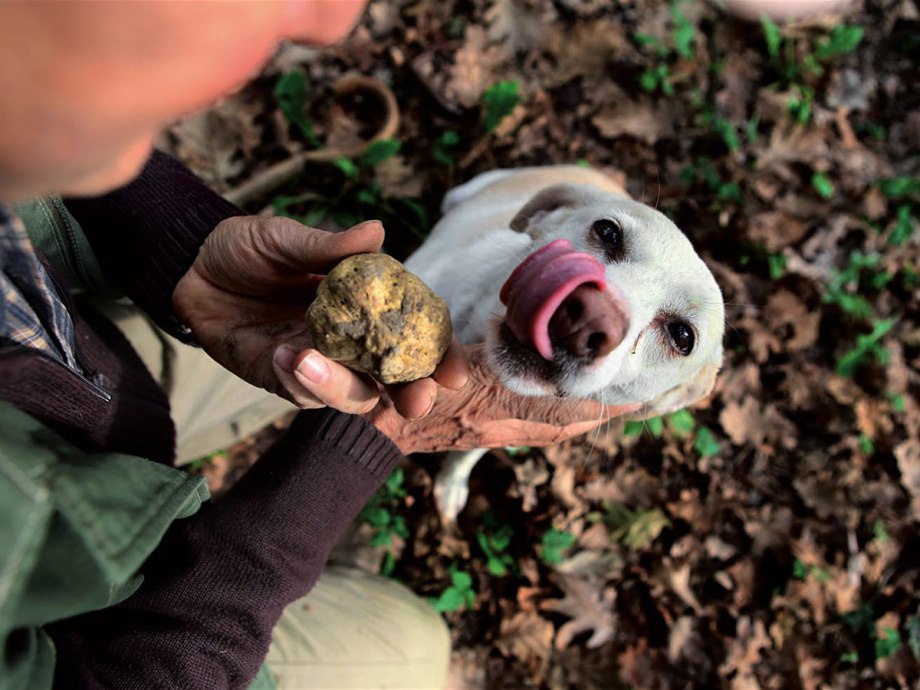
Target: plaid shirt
[[32, 311]]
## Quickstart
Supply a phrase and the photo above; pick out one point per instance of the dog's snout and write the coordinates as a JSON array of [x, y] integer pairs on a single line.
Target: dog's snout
[[589, 324]]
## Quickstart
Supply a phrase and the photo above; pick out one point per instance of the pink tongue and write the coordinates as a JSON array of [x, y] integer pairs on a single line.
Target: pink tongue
[[540, 284]]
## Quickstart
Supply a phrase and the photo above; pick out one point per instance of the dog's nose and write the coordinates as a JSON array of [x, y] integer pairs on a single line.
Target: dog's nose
[[589, 324]]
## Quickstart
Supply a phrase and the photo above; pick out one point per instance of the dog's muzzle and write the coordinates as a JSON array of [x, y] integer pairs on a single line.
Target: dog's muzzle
[[558, 299]]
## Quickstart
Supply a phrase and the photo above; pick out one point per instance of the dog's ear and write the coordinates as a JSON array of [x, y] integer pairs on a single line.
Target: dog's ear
[[698, 387], [548, 200]]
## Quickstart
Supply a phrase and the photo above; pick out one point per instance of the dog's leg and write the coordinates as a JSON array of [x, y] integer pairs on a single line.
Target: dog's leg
[[451, 486]]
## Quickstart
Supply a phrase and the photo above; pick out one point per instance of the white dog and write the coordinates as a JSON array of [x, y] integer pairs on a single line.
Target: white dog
[[577, 291]]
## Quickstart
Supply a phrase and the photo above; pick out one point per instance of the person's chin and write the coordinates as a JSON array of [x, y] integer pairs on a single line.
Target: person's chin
[[105, 178]]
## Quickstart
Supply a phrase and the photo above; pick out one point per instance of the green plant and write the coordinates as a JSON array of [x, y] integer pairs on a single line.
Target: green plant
[[794, 62], [680, 46], [822, 185], [494, 540], [291, 94], [681, 423], [359, 196], [657, 77], [906, 191], [445, 148], [654, 425], [887, 643], [381, 513], [198, 464], [801, 570], [704, 172], [898, 404], [635, 529], [499, 100], [705, 443], [458, 595], [867, 346], [880, 532], [776, 263], [843, 288], [554, 543]]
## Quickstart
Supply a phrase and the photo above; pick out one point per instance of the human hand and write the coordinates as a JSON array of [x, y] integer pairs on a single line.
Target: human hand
[[245, 298], [485, 414]]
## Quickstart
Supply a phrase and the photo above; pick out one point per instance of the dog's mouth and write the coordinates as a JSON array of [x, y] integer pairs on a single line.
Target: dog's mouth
[[539, 286], [560, 319]]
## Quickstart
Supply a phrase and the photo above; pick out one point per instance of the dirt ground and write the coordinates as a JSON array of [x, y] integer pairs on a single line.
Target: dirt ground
[[767, 538]]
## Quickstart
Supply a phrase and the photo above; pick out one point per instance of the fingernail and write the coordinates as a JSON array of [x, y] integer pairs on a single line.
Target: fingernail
[[429, 407], [313, 368], [284, 357]]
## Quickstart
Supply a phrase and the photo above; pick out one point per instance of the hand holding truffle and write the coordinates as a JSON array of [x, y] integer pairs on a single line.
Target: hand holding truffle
[[245, 298]]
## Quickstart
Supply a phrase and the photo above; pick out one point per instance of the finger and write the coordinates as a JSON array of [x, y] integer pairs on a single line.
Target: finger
[[454, 369], [413, 400], [331, 383], [321, 250], [294, 392]]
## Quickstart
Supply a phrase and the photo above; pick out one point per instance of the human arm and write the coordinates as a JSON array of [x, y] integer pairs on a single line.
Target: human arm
[[240, 284], [219, 580], [485, 414]]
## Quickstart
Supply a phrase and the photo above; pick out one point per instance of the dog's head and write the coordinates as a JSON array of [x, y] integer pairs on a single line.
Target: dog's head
[[613, 304]]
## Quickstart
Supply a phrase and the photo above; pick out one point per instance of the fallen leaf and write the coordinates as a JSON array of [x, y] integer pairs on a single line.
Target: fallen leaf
[[640, 119], [474, 68], [775, 230], [589, 606], [525, 635], [790, 319]]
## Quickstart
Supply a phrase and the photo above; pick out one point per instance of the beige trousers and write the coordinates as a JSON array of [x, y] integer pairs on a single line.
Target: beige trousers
[[353, 630]]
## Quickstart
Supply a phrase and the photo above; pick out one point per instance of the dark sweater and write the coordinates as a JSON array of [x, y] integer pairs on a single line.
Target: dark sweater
[[217, 583]]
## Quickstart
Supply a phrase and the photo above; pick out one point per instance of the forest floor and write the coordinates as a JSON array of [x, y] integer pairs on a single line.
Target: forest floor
[[770, 536]]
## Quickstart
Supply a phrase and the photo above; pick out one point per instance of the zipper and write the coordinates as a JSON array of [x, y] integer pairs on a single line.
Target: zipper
[[94, 385]]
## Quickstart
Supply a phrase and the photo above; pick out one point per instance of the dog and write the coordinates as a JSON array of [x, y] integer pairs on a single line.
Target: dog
[[577, 290]]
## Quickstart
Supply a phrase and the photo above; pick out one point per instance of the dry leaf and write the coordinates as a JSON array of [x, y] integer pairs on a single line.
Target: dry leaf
[[908, 457], [590, 608], [789, 318], [744, 651], [775, 230], [525, 635], [474, 68], [640, 119]]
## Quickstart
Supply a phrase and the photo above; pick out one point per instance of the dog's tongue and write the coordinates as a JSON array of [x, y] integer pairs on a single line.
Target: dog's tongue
[[540, 284]]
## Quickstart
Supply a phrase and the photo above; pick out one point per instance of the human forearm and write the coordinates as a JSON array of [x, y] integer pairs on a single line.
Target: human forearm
[[217, 584]]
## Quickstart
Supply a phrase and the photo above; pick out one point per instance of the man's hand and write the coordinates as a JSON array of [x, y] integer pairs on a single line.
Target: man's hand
[[245, 298], [485, 414]]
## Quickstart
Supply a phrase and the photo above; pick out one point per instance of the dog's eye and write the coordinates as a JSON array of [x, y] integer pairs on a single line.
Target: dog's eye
[[610, 234], [681, 337]]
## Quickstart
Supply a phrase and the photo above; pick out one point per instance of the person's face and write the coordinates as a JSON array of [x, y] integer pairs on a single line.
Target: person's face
[[86, 86]]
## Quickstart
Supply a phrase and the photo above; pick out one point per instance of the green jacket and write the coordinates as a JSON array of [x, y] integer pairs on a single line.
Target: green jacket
[[74, 527]]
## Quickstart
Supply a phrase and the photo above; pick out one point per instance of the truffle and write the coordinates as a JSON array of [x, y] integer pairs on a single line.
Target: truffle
[[373, 315]]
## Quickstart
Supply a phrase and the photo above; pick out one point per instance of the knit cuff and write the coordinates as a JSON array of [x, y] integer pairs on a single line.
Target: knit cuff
[[354, 436]]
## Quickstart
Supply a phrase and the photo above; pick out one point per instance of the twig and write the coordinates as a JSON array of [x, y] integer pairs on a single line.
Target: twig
[[275, 176]]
